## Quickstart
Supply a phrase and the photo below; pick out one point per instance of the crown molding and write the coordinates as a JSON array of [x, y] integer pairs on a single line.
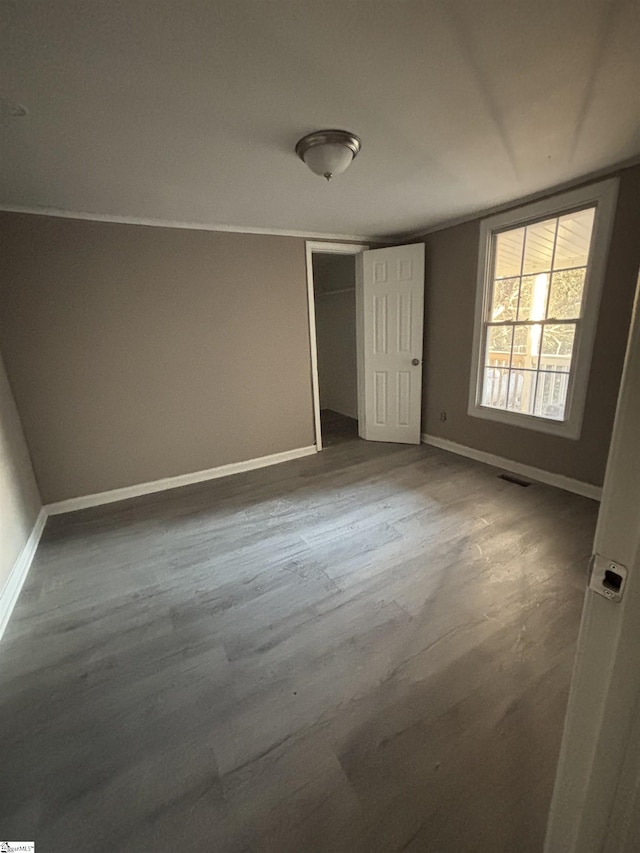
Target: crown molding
[[390, 239], [61, 213], [574, 183]]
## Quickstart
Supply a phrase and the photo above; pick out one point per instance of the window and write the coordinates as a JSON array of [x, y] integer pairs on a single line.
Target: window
[[539, 281]]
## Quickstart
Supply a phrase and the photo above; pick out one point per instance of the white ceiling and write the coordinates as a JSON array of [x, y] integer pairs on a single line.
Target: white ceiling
[[188, 111]]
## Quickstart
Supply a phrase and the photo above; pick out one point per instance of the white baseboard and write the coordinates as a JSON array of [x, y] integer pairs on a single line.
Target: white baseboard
[[122, 494], [354, 417], [20, 570], [587, 490]]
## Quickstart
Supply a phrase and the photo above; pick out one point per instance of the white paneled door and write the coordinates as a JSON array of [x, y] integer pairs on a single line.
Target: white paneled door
[[390, 313]]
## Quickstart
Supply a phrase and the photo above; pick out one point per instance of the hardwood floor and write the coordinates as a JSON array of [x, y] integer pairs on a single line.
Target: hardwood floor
[[363, 651]]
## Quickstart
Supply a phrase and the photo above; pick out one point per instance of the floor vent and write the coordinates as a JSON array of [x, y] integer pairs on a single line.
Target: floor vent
[[511, 479]]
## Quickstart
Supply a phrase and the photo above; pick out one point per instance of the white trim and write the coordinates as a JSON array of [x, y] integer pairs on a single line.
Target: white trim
[[327, 249], [171, 223], [19, 572], [399, 238], [336, 292], [594, 808], [353, 417], [603, 195], [608, 171], [126, 492], [587, 490], [360, 342]]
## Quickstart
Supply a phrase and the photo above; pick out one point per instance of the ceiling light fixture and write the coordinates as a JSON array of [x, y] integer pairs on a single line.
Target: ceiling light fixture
[[328, 152]]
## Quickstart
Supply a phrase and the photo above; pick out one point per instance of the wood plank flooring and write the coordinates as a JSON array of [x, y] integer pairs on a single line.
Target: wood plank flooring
[[364, 651]]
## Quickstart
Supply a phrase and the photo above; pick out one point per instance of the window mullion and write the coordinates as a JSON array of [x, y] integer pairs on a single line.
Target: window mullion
[[546, 312], [553, 320], [513, 327], [553, 260], [535, 387], [524, 249]]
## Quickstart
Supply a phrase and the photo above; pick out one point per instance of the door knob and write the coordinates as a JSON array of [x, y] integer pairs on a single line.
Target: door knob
[[415, 362]]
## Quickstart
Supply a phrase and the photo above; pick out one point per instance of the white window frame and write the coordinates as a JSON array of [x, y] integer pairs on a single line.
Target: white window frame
[[603, 195]]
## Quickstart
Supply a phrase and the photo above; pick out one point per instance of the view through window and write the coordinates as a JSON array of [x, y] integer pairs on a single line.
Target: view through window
[[534, 307]]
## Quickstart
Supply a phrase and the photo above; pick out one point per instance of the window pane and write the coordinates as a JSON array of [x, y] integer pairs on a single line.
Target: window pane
[[504, 303], [538, 249], [526, 346], [551, 395], [557, 346], [522, 389], [494, 387], [498, 349], [574, 239], [536, 308], [508, 252], [533, 297], [565, 298]]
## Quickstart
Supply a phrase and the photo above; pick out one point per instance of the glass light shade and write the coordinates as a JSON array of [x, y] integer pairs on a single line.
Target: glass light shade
[[328, 159]]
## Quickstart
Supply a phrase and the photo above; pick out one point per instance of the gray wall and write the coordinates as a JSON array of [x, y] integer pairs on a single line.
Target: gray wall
[[19, 498], [336, 332], [451, 268], [137, 353]]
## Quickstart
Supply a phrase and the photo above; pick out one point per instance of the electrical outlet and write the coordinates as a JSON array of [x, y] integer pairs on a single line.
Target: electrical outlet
[[443, 416]]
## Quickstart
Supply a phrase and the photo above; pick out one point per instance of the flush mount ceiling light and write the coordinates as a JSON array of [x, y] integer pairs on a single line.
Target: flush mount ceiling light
[[328, 152]]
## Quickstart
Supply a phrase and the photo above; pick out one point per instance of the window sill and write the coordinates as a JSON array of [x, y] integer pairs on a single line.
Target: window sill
[[563, 429]]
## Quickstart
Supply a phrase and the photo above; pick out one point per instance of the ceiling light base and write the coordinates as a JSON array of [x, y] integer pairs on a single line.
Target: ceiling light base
[[328, 152]]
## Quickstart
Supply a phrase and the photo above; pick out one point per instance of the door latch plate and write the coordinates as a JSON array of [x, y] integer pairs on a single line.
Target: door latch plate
[[608, 578]]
